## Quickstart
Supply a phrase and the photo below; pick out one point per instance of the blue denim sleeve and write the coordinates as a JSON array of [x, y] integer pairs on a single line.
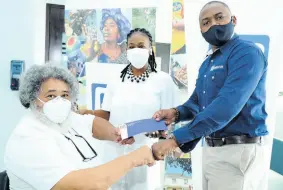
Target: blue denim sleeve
[[190, 108], [246, 68]]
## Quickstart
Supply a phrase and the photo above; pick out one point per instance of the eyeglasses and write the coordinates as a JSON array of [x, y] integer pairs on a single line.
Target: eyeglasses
[[85, 159]]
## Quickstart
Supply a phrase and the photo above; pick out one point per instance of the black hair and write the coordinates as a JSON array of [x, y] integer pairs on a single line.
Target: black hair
[[151, 58], [219, 2]]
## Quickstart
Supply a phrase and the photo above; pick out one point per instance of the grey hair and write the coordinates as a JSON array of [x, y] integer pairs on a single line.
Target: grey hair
[[34, 77]]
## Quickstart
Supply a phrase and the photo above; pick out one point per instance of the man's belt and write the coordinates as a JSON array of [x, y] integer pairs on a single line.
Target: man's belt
[[243, 139]]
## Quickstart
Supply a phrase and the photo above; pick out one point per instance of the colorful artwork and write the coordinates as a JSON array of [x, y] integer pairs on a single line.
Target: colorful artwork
[[100, 35], [178, 166], [178, 68], [178, 45], [145, 18], [114, 25]]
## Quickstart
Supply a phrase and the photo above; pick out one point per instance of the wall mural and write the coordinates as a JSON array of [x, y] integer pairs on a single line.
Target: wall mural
[[99, 36]]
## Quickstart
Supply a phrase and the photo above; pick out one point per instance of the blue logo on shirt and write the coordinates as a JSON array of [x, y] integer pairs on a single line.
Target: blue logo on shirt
[[97, 94], [216, 67]]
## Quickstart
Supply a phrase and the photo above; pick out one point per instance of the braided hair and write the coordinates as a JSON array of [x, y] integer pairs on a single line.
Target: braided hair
[[151, 58]]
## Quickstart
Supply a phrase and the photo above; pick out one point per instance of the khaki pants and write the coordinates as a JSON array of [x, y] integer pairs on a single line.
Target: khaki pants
[[235, 167]]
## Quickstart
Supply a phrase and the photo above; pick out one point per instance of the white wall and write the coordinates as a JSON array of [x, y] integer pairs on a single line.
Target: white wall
[[22, 37], [17, 43]]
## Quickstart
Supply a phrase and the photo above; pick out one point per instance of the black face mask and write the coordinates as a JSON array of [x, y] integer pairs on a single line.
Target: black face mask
[[218, 35]]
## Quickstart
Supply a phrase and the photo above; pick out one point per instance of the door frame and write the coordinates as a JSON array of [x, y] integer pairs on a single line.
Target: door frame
[[47, 23]]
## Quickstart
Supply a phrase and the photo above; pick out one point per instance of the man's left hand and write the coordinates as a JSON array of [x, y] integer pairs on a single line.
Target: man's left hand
[[162, 148]]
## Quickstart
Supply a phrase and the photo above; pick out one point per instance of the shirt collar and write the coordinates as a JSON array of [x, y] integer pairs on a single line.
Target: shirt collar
[[210, 52], [226, 47]]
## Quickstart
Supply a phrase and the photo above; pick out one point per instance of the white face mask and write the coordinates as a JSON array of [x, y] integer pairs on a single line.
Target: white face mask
[[138, 57], [57, 110]]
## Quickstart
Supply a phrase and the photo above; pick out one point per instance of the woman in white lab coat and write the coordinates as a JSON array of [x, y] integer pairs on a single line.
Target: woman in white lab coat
[[52, 147], [136, 95]]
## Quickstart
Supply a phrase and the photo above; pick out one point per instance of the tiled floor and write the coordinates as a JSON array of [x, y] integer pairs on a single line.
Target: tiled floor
[[275, 181]]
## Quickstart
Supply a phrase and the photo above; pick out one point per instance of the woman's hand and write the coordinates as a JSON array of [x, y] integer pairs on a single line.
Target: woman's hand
[[103, 130], [85, 111], [129, 141]]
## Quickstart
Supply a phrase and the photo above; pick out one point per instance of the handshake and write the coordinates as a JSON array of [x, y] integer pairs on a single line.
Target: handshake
[[148, 156], [159, 150]]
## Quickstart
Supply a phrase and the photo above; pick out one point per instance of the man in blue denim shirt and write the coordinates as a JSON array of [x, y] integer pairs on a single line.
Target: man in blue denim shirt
[[227, 107]]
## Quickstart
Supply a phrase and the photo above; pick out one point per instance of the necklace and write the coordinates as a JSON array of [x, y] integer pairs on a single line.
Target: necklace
[[138, 78]]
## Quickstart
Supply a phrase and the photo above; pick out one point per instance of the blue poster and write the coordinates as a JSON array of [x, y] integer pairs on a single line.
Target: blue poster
[[96, 93], [261, 40]]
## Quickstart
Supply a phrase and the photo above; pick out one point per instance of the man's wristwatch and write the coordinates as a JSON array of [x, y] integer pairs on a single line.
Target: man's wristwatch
[[177, 116]]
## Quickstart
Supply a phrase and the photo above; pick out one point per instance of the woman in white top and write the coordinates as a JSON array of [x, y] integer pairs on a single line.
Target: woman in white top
[[52, 147], [136, 95]]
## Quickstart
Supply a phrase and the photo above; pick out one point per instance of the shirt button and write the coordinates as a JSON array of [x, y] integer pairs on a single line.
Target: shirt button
[[203, 107], [211, 61], [204, 92], [212, 77], [204, 76]]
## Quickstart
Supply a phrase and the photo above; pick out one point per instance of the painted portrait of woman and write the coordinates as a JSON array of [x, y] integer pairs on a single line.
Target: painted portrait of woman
[[114, 27]]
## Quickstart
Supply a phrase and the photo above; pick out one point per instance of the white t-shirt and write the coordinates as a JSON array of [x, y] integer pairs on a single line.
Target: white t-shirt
[[129, 101], [38, 156]]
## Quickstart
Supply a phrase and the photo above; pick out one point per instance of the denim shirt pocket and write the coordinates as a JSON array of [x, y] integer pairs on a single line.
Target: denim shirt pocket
[[215, 81]]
